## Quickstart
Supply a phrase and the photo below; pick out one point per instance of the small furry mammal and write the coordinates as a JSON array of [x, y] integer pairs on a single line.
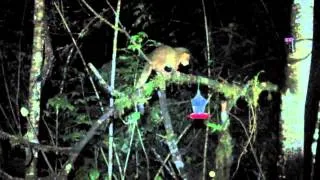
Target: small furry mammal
[[163, 60]]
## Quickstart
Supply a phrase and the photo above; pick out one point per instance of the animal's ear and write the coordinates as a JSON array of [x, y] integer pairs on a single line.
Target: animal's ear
[[184, 59]]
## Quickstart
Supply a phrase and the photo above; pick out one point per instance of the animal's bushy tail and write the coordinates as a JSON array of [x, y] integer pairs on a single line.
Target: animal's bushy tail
[[144, 76]]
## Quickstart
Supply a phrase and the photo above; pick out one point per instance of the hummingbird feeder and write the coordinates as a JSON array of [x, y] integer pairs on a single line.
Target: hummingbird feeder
[[198, 106], [290, 44]]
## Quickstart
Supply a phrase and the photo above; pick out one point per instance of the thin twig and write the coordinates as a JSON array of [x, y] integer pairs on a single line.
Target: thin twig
[[121, 30], [169, 170], [80, 54], [205, 150], [118, 161], [115, 27], [7, 176], [129, 149], [19, 68], [244, 151], [112, 85], [8, 96], [144, 151]]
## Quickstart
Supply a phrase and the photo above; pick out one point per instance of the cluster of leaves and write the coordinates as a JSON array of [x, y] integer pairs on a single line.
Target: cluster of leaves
[[83, 173], [72, 116]]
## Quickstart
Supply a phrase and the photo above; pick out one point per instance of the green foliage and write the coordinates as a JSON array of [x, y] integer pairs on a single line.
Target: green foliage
[[155, 114], [123, 102], [73, 136], [231, 92], [61, 103], [129, 96], [72, 115], [127, 64], [139, 41], [214, 127], [125, 147], [83, 119], [86, 173], [136, 41], [154, 119], [160, 81], [158, 178], [224, 149], [250, 91], [171, 136], [82, 174], [133, 117], [94, 174], [296, 13], [149, 88], [253, 89]]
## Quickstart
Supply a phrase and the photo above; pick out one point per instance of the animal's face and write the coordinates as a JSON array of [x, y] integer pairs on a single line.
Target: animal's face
[[184, 59]]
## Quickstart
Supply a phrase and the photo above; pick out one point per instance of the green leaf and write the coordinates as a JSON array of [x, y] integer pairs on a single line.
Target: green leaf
[[143, 34], [123, 102], [83, 119], [137, 40], [158, 178], [125, 147], [68, 167], [155, 115], [214, 127], [134, 47], [74, 136], [148, 88], [94, 174], [24, 112], [134, 117], [105, 177], [61, 103]]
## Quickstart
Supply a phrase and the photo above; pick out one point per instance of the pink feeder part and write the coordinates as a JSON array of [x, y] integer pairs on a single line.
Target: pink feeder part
[[199, 116], [290, 43], [288, 39]]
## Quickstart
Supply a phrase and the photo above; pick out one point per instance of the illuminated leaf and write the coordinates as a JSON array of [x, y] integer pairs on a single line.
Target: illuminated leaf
[[24, 112], [94, 174], [133, 117]]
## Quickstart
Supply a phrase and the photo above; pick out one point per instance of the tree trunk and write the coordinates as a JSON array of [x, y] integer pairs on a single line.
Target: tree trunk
[[294, 97], [35, 87]]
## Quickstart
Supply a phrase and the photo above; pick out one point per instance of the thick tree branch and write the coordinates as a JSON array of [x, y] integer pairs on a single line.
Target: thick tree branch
[[25, 143], [171, 138], [77, 148]]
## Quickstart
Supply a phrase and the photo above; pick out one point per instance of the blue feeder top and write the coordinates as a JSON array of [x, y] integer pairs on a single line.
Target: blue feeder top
[[198, 103]]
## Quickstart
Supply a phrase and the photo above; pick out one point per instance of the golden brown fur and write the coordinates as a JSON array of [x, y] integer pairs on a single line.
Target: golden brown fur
[[161, 57]]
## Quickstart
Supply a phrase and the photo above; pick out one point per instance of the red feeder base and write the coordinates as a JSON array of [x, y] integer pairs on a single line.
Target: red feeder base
[[202, 116]]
